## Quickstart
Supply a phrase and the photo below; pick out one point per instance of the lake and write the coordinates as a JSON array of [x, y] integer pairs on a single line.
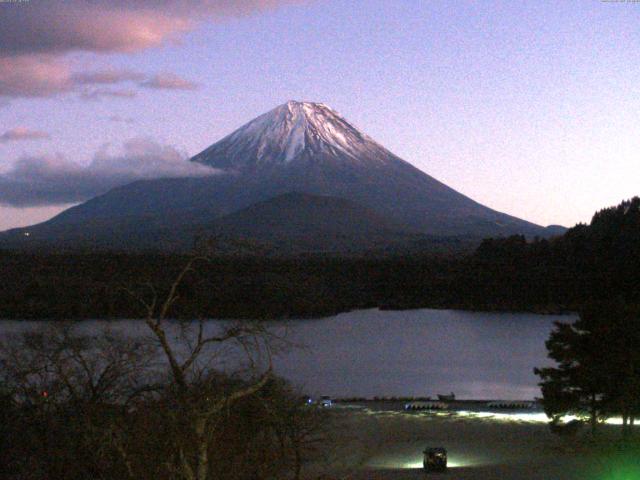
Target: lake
[[423, 352]]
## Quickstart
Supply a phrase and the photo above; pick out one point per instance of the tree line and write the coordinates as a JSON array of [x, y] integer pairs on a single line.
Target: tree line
[[589, 262], [597, 372]]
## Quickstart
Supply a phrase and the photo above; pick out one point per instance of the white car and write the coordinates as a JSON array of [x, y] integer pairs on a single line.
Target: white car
[[325, 401]]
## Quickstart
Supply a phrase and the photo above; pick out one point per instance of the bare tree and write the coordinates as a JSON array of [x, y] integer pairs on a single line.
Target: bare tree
[[199, 398], [65, 365], [192, 400], [70, 388]]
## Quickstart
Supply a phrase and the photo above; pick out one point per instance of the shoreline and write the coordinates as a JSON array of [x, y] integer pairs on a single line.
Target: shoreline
[[313, 316], [387, 445]]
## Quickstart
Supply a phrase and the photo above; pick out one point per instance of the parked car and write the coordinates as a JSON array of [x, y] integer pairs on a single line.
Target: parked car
[[435, 459], [325, 401]]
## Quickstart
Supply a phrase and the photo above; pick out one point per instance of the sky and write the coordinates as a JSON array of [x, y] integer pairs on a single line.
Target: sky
[[528, 107]]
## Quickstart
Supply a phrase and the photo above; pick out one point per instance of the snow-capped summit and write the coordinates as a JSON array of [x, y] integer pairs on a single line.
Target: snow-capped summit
[[293, 132], [300, 169]]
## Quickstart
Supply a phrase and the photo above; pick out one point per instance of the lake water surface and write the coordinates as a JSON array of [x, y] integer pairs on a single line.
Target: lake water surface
[[421, 353], [424, 352]]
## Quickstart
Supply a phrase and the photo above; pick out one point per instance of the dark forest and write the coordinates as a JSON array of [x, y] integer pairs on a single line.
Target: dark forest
[[588, 263]]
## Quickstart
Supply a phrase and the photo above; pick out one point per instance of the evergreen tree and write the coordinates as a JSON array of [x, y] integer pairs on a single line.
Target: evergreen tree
[[598, 365]]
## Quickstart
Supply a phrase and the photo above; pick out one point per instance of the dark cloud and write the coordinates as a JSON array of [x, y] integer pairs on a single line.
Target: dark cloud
[[54, 179], [38, 27], [169, 81], [22, 133], [35, 36]]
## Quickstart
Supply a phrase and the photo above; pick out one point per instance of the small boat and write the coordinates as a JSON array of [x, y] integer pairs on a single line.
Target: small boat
[[447, 398], [511, 404], [428, 405]]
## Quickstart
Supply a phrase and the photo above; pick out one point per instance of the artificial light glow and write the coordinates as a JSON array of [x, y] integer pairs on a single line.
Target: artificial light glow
[[621, 468], [450, 464], [534, 417], [414, 461], [453, 461]]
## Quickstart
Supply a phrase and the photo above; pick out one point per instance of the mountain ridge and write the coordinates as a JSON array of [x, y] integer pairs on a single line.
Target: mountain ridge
[[297, 147]]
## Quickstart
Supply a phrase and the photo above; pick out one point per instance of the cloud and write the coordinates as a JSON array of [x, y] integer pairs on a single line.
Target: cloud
[[76, 25], [99, 93], [34, 76], [169, 81], [45, 76], [22, 133], [108, 77], [54, 179], [38, 27], [35, 36]]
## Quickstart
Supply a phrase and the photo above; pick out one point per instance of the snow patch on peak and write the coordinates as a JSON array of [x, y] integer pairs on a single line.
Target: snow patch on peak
[[296, 104], [292, 131]]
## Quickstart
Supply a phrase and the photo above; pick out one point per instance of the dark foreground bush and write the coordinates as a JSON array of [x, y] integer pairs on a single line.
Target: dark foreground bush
[[106, 406]]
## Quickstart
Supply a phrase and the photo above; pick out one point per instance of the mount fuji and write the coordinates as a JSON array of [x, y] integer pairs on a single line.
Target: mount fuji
[[300, 148]]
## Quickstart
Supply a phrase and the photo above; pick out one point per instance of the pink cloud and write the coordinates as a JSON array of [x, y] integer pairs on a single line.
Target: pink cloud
[[22, 133], [40, 27], [108, 77], [47, 75], [99, 93], [33, 76], [169, 81], [35, 36], [115, 26]]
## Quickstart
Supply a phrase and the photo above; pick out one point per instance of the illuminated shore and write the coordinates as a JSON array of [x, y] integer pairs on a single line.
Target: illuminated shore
[[370, 443]]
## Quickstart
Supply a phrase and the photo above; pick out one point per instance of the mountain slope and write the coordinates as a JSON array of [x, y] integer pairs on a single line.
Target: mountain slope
[[297, 147], [301, 146], [299, 222]]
